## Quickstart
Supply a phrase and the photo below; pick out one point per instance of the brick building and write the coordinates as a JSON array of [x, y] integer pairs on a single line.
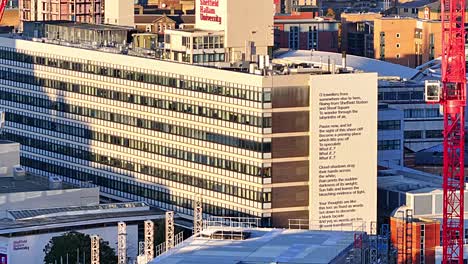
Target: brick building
[[72, 10], [306, 31], [416, 239]]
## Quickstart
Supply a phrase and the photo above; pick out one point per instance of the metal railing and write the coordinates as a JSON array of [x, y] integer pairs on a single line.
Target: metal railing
[[356, 226], [161, 248], [219, 222]]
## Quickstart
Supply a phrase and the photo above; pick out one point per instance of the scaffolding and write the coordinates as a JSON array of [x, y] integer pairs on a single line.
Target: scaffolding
[[122, 243], [383, 244], [409, 236], [197, 215], [169, 230], [400, 234], [95, 249], [149, 240]]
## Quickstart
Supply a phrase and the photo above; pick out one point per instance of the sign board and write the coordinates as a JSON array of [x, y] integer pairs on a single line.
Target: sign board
[[211, 14], [343, 151]]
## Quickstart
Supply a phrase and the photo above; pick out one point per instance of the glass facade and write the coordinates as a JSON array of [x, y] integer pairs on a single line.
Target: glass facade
[[140, 134]]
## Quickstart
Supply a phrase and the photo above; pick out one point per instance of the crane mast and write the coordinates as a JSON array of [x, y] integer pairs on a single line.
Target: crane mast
[[3, 4], [453, 101]]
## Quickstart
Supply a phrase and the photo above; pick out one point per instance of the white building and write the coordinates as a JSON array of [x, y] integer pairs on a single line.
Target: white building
[[9, 157], [226, 31]]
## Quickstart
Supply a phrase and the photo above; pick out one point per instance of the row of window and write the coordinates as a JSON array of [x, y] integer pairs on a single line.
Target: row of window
[[138, 122], [389, 125], [180, 154], [401, 96], [85, 88], [135, 144], [389, 144], [134, 74], [417, 134], [138, 189], [422, 113], [143, 169]]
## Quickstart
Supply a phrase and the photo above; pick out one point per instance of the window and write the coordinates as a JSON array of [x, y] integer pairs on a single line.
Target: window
[[398, 45], [294, 37], [414, 134], [389, 144], [414, 113], [389, 125], [398, 35], [433, 113], [398, 56], [434, 134]]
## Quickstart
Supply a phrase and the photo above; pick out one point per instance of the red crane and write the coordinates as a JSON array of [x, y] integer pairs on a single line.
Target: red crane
[[452, 97], [2, 8]]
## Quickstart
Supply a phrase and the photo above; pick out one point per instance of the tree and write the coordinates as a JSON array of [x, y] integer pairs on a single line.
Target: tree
[[74, 243], [330, 13]]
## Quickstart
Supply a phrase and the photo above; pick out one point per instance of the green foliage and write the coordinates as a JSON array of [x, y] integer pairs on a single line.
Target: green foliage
[[73, 242], [330, 13]]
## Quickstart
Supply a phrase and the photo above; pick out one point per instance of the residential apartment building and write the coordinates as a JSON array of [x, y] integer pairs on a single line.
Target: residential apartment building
[[407, 41], [357, 33], [289, 6], [305, 31], [72, 10], [402, 40]]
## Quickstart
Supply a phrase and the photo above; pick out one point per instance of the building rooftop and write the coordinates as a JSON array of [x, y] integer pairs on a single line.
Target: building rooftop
[[50, 218], [416, 4], [79, 25], [406, 180], [263, 246], [32, 183], [354, 62]]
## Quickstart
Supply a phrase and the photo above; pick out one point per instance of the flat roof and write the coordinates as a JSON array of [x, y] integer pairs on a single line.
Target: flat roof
[[84, 215], [406, 180], [383, 68], [79, 25], [7, 142], [32, 183], [263, 246]]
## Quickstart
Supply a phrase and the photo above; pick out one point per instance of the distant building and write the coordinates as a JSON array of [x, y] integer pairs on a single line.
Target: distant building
[[36, 208], [357, 33], [11, 18], [290, 6], [416, 239], [79, 11], [413, 8], [305, 31], [390, 135], [119, 13], [403, 40], [413, 203], [9, 158], [158, 24]]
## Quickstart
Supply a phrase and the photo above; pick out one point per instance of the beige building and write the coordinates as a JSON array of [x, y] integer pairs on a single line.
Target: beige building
[[225, 31], [162, 132], [406, 41], [120, 13]]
